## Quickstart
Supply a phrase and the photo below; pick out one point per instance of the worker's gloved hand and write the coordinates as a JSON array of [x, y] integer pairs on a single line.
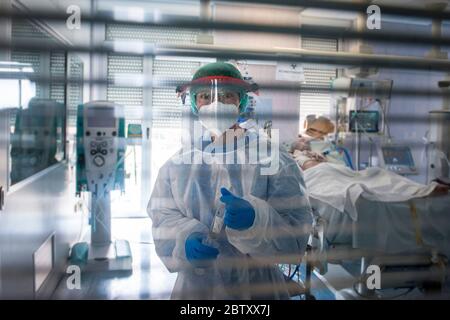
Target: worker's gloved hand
[[198, 254], [239, 213]]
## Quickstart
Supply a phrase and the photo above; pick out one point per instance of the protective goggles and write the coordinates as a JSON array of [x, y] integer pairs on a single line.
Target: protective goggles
[[205, 96], [204, 91]]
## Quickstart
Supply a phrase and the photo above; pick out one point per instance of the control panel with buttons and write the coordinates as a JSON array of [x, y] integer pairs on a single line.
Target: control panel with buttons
[[100, 170], [101, 136], [402, 169], [398, 158]]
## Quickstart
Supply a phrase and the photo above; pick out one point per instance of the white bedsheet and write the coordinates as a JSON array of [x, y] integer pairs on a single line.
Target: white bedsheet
[[390, 227], [340, 187]]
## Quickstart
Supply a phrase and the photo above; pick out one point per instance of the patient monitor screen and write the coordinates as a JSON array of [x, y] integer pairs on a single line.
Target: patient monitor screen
[[366, 120], [400, 156], [101, 118]]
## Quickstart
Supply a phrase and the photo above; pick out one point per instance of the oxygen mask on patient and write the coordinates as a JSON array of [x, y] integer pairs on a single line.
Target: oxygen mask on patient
[[320, 146]]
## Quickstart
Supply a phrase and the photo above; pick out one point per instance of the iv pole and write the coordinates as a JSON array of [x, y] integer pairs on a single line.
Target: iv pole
[[358, 133]]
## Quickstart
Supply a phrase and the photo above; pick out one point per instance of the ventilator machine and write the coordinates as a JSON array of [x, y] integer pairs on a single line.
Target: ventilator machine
[[100, 170]]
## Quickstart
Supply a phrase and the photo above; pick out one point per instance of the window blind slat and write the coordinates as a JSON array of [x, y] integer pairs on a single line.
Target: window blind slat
[[313, 100], [166, 106], [130, 97], [58, 69], [75, 90], [153, 35]]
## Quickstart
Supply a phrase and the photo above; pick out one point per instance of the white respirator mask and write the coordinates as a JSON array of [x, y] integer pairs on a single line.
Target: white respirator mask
[[319, 146], [217, 117]]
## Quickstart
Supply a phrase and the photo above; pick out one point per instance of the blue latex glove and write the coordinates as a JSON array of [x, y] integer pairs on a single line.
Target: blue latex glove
[[197, 253], [239, 213]]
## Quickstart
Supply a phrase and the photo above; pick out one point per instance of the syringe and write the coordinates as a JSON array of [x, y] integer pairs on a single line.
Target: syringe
[[214, 232], [216, 226]]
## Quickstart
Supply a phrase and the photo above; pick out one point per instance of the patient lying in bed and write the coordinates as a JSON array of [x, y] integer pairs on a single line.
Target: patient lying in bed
[[308, 159], [373, 209], [305, 151]]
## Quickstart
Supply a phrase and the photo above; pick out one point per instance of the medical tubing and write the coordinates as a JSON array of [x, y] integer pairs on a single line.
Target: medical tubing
[[347, 156], [291, 276], [93, 219]]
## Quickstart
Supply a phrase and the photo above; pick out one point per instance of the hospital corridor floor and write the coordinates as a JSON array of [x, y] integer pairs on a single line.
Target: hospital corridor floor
[[148, 280]]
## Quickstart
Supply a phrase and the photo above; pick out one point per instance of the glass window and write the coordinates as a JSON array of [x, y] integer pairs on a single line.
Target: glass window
[[37, 138], [37, 107], [315, 97]]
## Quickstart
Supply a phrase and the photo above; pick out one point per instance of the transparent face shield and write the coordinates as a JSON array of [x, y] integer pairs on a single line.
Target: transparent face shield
[[217, 102], [217, 91], [218, 109]]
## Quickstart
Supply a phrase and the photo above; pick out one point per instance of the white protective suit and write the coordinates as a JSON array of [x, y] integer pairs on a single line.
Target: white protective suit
[[184, 200]]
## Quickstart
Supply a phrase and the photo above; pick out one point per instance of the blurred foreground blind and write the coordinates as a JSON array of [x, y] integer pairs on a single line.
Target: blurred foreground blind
[[33, 58], [74, 88], [167, 108], [24, 30], [123, 70], [314, 96]]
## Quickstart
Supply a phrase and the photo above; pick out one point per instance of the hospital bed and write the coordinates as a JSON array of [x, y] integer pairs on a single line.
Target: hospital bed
[[408, 240]]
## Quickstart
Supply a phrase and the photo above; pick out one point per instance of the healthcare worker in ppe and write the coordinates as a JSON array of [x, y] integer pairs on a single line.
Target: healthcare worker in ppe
[[266, 218]]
